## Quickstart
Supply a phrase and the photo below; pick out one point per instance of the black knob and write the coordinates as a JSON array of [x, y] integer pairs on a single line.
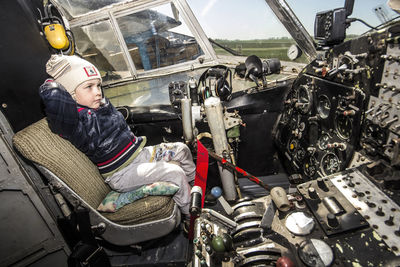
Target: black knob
[[312, 193], [390, 221], [397, 232], [370, 204], [332, 220], [380, 212]]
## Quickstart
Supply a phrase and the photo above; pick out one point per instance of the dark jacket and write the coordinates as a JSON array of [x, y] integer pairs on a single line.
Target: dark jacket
[[102, 134]]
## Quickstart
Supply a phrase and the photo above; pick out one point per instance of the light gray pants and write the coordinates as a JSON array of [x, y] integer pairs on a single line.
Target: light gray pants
[[167, 162]]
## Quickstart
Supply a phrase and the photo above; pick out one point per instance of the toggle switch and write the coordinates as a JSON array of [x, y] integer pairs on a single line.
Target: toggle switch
[[332, 220], [312, 193]]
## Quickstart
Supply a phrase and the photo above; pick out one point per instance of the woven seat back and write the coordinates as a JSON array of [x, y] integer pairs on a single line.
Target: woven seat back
[[38, 144]]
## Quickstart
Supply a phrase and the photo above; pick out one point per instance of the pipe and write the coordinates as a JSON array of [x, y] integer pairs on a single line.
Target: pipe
[[215, 119]]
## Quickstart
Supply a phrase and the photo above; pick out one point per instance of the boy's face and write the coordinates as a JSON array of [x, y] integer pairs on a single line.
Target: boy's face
[[89, 93]]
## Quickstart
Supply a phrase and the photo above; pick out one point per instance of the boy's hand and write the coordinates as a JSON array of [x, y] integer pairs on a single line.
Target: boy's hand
[[50, 85]]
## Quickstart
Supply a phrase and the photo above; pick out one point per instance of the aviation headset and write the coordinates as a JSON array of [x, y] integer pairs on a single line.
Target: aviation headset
[[55, 31], [223, 88]]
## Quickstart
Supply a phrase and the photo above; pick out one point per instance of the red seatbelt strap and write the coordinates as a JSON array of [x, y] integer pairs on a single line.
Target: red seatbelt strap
[[201, 169], [200, 179]]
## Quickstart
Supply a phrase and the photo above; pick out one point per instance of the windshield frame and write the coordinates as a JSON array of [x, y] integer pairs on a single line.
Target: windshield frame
[[112, 12]]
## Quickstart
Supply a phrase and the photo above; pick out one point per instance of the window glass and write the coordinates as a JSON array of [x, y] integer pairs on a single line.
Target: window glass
[[248, 27], [152, 92], [155, 38], [98, 44], [80, 7]]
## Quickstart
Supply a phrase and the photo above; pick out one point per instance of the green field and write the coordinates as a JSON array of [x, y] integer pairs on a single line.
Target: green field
[[266, 48]]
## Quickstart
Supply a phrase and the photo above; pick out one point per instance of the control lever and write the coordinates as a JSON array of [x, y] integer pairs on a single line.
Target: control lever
[[217, 193], [383, 124], [268, 217], [336, 70]]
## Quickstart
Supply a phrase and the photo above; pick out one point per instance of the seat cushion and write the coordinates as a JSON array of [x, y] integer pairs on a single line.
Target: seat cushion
[[38, 144]]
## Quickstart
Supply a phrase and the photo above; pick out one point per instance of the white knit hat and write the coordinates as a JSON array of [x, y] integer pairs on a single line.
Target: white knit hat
[[71, 71]]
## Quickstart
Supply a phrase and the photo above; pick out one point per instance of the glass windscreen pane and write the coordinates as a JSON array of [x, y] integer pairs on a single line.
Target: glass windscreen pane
[[156, 39], [248, 27], [98, 44], [80, 7], [152, 92]]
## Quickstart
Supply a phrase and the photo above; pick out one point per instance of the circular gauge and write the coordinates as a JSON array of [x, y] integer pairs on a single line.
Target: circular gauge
[[315, 252], [300, 223], [344, 126], [324, 106], [294, 52], [304, 99], [323, 141], [375, 134], [292, 145], [310, 166], [300, 154], [330, 164]]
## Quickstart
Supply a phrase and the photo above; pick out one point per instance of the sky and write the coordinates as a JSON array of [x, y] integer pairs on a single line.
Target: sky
[[253, 19]]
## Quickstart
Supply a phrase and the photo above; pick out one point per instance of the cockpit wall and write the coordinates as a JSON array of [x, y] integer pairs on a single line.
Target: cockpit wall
[[24, 53]]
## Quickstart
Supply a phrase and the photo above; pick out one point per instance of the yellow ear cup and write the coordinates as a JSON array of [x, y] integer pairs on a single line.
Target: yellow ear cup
[[55, 34]]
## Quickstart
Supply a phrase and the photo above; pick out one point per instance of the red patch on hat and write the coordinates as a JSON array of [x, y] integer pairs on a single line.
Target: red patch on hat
[[90, 71]]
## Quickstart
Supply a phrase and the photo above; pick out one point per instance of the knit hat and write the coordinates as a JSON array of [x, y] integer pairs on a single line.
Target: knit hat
[[71, 71]]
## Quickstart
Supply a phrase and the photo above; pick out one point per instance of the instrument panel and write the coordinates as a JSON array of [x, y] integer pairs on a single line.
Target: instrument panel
[[345, 101], [319, 128]]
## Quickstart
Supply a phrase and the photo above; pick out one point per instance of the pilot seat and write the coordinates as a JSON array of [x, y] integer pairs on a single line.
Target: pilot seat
[[72, 174]]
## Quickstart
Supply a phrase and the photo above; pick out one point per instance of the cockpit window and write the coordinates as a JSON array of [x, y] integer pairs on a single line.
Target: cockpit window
[[98, 44], [156, 39], [78, 7], [248, 27], [125, 43]]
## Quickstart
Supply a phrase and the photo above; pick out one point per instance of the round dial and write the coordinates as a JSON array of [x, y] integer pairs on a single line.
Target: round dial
[[344, 126], [324, 106], [323, 141], [315, 252], [292, 145], [294, 52], [310, 166], [300, 154], [300, 223], [330, 163], [304, 99]]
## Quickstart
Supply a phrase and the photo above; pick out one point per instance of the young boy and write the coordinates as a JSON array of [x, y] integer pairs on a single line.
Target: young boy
[[77, 111]]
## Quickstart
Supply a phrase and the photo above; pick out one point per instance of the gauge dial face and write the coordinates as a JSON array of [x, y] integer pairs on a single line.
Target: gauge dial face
[[310, 166], [304, 99], [300, 154], [292, 145], [344, 126], [294, 52], [323, 141], [330, 164], [324, 106]]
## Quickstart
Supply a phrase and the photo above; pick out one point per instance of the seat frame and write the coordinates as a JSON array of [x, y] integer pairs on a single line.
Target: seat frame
[[114, 233]]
